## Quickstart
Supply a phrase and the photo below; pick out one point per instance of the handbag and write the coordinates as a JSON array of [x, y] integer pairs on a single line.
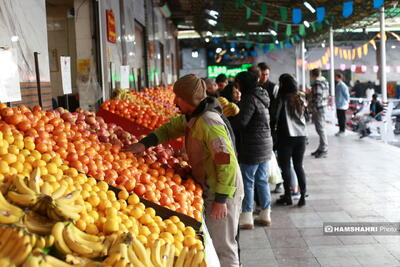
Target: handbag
[[275, 175]]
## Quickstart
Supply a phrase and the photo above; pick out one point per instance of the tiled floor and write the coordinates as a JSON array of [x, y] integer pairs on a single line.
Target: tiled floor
[[358, 182]]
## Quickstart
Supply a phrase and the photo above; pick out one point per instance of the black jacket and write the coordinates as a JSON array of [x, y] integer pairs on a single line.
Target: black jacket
[[252, 123]]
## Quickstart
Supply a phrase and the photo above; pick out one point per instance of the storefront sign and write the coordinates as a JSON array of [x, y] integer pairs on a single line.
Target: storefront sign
[[111, 29], [66, 75], [83, 66], [10, 90], [214, 71]]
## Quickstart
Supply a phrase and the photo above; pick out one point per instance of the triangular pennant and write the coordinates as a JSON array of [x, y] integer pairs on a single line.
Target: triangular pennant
[[345, 54], [347, 9], [292, 41], [276, 26], [283, 12], [314, 28], [324, 60], [260, 46], [395, 35], [263, 13], [302, 30], [296, 15], [288, 30], [378, 3], [349, 53], [248, 13], [353, 54], [365, 48], [239, 3], [288, 44], [336, 51], [272, 47], [372, 42], [261, 20], [320, 14], [328, 52], [359, 52], [341, 53]]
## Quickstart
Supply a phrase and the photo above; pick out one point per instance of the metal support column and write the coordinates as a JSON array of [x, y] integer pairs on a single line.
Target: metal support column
[[332, 62], [383, 56], [303, 67]]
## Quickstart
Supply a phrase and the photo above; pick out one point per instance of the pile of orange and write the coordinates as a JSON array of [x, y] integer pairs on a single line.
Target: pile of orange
[[82, 150]]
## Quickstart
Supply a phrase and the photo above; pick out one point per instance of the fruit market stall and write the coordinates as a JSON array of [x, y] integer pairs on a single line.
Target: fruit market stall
[[60, 207]]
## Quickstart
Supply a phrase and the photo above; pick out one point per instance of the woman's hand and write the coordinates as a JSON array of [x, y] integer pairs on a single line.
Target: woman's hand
[[136, 148], [219, 210]]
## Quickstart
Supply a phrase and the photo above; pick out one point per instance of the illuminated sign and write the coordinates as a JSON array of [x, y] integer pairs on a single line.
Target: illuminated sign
[[214, 71]]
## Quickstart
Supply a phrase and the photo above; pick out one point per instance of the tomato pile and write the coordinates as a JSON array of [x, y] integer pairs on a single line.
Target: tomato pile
[[60, 133]]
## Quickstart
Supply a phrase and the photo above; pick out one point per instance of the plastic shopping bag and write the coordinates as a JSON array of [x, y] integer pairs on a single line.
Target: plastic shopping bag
[[275, 176]]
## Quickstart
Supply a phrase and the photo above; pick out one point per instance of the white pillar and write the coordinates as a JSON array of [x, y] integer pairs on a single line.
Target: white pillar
[[303, 67], [332, 62], [383, 56]]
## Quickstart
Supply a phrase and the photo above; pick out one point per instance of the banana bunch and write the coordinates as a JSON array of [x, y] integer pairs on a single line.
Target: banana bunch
[[229, 109], [64, 207], [124, 94], [8, 212], [15, 244], [190, 258], [69, 239], [38, 259], [6, 262]]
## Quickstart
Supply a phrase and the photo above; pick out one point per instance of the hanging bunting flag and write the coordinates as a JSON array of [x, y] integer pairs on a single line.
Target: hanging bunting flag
[[347, 9], [324, 60], [395, 35], [372, 42], [375, 68], [365, 48], [288, 30], [320, 14], [341, 53], [363, 68], [398, 69], [260, 46], [272, 47], [276, 26], [353, 68], [336, 51], [292, 41], [328, 66], [378, 3], [302, 30], [342, 67], [314, 28], [283, 12], [248, 45], [353, 54], [248, 13], [239, 3], [265, 48], [345, 54], [296, 15], [319, 64], [263, 13], [288, 44], [253, 53], [384, 36], [328, 52], [359, 52], [297, 38]]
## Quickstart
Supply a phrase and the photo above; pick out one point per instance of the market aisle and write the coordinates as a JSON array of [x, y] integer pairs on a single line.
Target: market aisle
[[358, 182]]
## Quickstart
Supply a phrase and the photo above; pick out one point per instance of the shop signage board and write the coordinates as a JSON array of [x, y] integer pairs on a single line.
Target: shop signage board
[[10, 90], [111, 28], [65, 63], [124, 70], [214, 71]]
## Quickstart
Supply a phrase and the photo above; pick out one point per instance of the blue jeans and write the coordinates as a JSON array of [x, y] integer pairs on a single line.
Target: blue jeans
[[255, 175]]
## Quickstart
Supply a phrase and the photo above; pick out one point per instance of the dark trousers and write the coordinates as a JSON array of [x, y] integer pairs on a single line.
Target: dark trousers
[[341, 116], [292, 147]]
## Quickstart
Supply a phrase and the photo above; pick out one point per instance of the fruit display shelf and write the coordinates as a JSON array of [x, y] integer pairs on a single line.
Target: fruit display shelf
[[132, 127]]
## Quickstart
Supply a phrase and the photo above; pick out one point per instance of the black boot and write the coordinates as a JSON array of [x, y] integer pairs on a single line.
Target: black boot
[[302, 201], [285, 201]]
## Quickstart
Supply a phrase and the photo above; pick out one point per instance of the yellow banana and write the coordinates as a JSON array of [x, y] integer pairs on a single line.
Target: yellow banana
[[164, 253], [8, 218], [203, 263], [46, 189], [59, 192], [5, 206], [197, 259], [74, 245], [181, 258], [86, 236], [171, 256], [40, 242], [112, 259], [52, 261], [121, 263], [21, 186], [68, 211], [49, 240], [141, 252], [189, 257], [134, 259], [21, 252], [24, 200], [37, 224], [9, 246], [5, 262], [69, 198], [4, 239], [59, 242], [34, 238], [33, 261], [34, 181], [94, 245], [155, 253]]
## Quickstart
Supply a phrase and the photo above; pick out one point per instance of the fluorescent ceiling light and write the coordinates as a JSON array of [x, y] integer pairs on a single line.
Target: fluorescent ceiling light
[[277, 42], [218, 50], [208, 33], [309, 6], [307, 24], [207, 40], [232, 49], [273, 33], [213, 13], [212, 22]]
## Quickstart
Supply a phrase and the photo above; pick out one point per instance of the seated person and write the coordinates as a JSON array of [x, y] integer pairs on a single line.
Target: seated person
[[376, 109]]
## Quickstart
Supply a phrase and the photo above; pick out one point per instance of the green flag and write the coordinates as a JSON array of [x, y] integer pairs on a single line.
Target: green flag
[[239, 3], [283, 12], [276, 26], [302, 30], [271, 47], [314, 28], [288, 30], [248, 12], [263, 13]]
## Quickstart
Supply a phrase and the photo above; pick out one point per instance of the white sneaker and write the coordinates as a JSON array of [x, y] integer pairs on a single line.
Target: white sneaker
[[264, 218], [246, 220]]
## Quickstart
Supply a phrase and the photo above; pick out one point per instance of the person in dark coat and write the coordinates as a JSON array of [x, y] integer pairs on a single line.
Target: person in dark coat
[[254, 147]]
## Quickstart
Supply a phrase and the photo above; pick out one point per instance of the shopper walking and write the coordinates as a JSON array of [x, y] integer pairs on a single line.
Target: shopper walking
[[212, 88], [342, 100], [212, 156], [254, 148], [318, 104], [291, 132]]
